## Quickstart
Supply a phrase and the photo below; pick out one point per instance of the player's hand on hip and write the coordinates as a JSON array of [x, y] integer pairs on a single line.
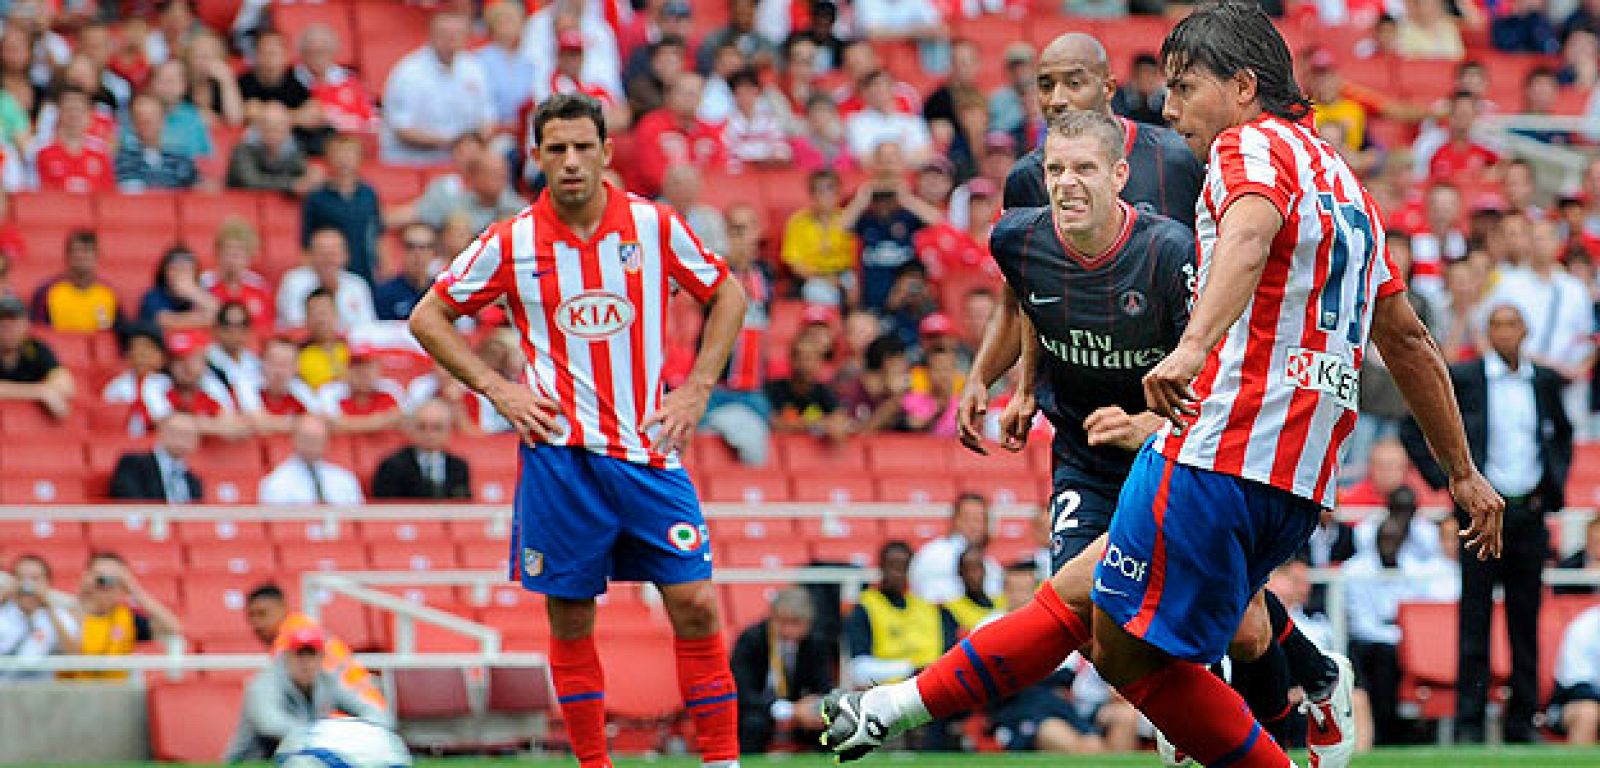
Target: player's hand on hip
[[680, 412], [971, 409], [1485, 510], [532, 415], [1168, 387], [1016, 421]]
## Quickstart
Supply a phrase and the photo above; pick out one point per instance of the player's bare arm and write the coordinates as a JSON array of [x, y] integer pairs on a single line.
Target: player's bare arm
[[1244, 239], [1115, 427], [433, 323], [682, 408], [1419, 369], [999, 350], [1017, 418]]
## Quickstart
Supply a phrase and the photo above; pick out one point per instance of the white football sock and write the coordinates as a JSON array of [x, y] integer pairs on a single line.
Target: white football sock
[[898, 705]]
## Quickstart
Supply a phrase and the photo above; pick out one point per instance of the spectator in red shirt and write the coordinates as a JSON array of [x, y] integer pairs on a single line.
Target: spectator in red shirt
[[75, 161], [949, 251], [756, 130], [1440, 241], [192, 388], [363, 401], [233, 280], [1461, 158], [12, 247], [282, 396], [673, 134]]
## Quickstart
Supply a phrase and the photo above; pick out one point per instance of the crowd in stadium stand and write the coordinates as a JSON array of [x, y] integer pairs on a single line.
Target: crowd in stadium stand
[[891, 133]]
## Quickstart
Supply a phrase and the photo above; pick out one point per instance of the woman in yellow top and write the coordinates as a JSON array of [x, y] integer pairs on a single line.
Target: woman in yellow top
[[118, 614]]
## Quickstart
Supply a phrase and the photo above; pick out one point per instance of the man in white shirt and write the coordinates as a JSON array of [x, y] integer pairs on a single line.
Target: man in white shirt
[[879, 122], [896, 20], [326, 257], [304, 478], [434, 95], [1576, 702], [602, 63], [1558, 312], [33, 624], [934, 575], [1376, 582]]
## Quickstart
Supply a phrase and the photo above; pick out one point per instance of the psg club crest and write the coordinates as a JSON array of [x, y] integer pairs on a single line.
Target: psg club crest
[[1133, 303], [631, 255]]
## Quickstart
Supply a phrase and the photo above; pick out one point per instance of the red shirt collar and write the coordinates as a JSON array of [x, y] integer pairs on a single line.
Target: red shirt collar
[[613, 219], [1096, 260]]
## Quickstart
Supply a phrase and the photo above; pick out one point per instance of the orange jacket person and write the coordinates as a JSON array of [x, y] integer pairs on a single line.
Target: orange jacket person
[[267, 611]]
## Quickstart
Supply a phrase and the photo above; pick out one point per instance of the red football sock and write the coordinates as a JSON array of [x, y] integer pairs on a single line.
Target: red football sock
[[708, 693], [1203, 717], [1002, 657], [580, 688]]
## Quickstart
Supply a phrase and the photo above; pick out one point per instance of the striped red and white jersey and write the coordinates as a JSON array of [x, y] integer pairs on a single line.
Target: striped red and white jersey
[[1278, 394], [591, 313]]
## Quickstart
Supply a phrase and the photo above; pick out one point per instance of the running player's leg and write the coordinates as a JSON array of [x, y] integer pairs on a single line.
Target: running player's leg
[[1260, 672], [1005, 655], [1329, 682], [1186, 551], [566, 556], [664, 541]]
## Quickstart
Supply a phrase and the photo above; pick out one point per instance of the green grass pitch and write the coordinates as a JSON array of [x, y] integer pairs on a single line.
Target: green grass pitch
[[1419, 757]]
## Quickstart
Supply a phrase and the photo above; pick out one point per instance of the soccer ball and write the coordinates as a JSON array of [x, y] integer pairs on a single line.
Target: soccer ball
[[343, 742]]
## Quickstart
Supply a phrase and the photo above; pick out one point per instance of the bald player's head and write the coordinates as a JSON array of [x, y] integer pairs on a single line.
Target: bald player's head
[[1074, 74]]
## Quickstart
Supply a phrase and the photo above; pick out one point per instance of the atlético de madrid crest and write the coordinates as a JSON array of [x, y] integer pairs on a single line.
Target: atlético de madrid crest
[[631, 255], [1133, 303]]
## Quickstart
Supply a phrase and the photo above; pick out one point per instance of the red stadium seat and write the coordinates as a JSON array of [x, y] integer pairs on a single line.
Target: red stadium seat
[[862, 552], [519, 691], [765, 554], [917, 490], [745, 604], [149, 558], [635, 687], [839, 527], [906, 455], [230, 487], [748, 489], [751, 528], [57, 210], [133, 528], [18, 417], [486, 555], [429, 694], [213, 607], [50, 453], [838, 489], [494, 454], [473, 531], [106, 449], [192, 721], [417, 556], [201, 213], [323, 556], [297, 531], [228, 456], [999, 461], [389, 31], [1008, 489], [521, 629], [17, 535], [1425, 80], [213, 531], [914, 530], [42, 490], [252, 559], [495, 488], [351, 622], [144, 211], [806, 454], [404, 531], [508, 596], [397, 183], [442, 597]]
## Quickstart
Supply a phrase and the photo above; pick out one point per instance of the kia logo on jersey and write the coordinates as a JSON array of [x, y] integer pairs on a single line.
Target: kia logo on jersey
[[594, 315]]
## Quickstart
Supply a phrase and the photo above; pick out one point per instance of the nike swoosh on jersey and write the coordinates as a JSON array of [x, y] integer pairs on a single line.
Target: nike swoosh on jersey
[[1037, 299], [1100, 587]]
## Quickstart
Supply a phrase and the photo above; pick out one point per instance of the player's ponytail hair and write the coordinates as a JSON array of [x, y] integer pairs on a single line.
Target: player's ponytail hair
[[1227, 36]]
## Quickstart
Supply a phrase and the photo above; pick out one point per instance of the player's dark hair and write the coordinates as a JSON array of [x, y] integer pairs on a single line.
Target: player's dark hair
[[743, 78], [568, 106], [881, 349], [1103, 128], [1229, 36], [891, 547], [268, 591]]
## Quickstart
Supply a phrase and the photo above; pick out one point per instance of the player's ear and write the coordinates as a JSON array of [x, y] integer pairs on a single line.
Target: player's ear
[[1243, 86], [606, 148], [1119, 173]]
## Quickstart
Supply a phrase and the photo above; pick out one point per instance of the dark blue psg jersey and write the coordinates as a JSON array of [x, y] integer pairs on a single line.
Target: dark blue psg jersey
[[1102, 322], [1163, 175]]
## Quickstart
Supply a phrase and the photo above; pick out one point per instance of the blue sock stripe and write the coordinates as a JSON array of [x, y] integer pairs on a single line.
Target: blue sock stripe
[[709, 700], [590, 696], [1240, 751], [983, 671]]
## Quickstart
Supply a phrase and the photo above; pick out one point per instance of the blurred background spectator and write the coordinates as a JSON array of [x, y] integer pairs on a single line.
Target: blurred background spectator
[[305, 477], [424, 468], [161, 474], [34, 621], [117, 614], [782, 670]]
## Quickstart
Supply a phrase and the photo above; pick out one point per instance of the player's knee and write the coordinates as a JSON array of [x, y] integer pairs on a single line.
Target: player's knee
[[692, 609], [1250, 642], [570, 619]]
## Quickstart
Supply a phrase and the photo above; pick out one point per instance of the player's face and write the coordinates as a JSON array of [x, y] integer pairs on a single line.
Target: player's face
[[1201, 105], [264, 616], [1506, 332], [572, 157], [1067, 83], [1084, 181]]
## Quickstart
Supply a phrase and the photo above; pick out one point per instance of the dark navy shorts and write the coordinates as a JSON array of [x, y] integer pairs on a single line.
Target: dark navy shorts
[[582, 519], [1081, 506]]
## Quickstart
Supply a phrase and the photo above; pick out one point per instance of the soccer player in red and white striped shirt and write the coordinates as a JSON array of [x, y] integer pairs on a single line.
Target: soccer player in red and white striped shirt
[[586, 273], [1260, 391]]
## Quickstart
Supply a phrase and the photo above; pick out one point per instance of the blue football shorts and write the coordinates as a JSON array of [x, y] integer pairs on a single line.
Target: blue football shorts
[[582, 519]]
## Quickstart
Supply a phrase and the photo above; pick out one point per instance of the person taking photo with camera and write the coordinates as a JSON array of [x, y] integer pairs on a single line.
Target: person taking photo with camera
[[117, 614], [33, 623]]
